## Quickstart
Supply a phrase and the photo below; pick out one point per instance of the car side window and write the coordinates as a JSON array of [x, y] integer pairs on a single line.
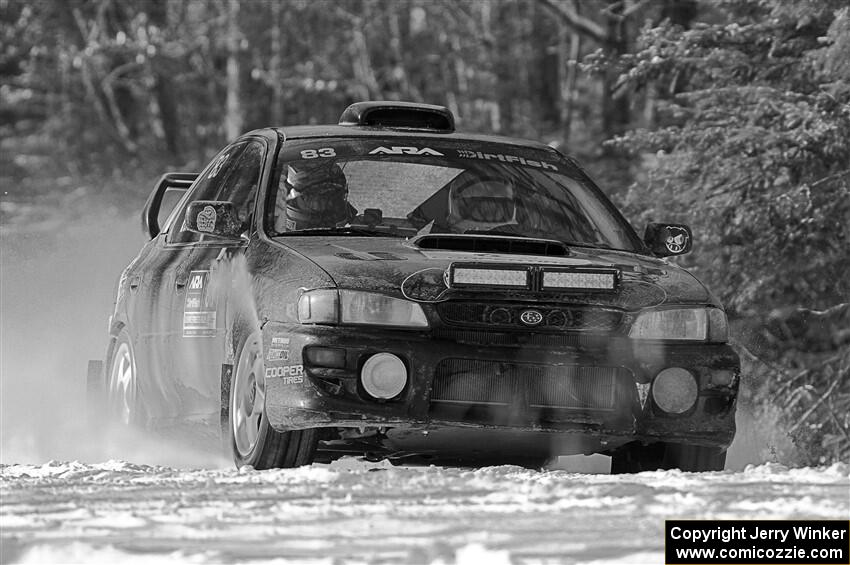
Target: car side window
[[210, 184], [241, 187]]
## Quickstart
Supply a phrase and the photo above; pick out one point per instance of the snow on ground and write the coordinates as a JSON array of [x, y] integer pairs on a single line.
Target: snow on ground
[[351, 511]]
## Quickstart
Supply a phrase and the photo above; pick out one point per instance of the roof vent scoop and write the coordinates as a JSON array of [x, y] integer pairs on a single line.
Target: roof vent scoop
[[399, 115]]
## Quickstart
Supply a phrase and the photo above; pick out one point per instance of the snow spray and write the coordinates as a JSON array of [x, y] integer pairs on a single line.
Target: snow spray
[[233, 289], [57, 286]]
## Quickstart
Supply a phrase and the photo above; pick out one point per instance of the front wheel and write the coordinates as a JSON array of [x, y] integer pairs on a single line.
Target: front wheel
[[249, 437], [634, 458]]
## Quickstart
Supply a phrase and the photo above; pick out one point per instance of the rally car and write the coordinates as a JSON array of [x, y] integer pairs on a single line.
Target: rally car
[[391, 288]]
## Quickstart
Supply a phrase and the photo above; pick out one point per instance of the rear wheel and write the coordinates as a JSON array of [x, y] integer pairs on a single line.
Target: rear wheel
[[250, 438], [634, 458], [122, 393]]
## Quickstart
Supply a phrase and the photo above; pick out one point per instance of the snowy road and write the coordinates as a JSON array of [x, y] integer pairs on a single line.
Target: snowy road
[[351, 511]]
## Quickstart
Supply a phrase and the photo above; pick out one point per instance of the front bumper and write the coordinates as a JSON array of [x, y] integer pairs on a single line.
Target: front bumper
[[511, 382]]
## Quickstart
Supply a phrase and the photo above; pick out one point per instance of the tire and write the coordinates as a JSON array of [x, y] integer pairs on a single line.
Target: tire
[[249, 438], [123, 402], [635, 458]]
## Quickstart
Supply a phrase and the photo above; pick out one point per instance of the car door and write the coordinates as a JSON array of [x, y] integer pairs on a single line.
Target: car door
[[141, 308], [202, 289], [158, 279]]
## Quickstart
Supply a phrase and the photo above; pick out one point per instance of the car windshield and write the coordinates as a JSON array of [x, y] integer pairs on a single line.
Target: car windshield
[[369, 186]]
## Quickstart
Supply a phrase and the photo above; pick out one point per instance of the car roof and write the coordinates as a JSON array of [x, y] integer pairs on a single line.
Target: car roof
[[333, 130]]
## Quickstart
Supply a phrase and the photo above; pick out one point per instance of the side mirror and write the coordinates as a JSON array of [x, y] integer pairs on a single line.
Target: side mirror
[[665, 240], [213, 217]]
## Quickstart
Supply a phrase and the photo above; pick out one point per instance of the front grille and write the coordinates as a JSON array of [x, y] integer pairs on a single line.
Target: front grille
[[493, 383], [509, 316], [558, 341]]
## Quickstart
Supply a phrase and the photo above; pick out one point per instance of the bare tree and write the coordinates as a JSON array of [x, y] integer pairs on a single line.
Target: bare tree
[[233, 117]]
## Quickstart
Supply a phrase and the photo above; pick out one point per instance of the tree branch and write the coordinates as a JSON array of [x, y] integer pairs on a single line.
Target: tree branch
[[585, 26], [829, 178], [610, 10], [815, 406], [106, 114]]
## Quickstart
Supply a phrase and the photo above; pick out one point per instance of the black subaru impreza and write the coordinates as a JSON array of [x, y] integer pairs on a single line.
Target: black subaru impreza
[[391, 288]]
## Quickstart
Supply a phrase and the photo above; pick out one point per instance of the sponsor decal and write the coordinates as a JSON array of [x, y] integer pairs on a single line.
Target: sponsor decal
[[278, 354], [677, 239], [199, 315], [531, 317], [228, 338], [279, 341], [467, 154], [198, 324], [206, 219], [316, 153], [401, 150], [289, 374]]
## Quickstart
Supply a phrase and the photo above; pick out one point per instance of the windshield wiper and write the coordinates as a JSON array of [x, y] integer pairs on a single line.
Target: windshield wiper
[[345, 230]]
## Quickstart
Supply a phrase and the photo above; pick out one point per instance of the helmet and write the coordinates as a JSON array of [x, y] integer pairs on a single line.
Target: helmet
[[481, 203], [313, 196]]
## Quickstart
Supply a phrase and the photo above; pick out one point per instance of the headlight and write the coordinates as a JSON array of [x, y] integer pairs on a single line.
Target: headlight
[[327, 306], [696, 324]]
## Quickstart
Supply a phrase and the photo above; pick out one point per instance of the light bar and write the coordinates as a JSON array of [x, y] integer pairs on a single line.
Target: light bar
[[470, 276], [592, 280]]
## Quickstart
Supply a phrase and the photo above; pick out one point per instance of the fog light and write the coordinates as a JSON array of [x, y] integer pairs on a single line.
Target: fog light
[[674, 390], [383, 375]]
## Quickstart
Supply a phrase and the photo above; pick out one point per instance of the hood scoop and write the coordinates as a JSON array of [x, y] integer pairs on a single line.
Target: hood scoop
[[492, 244], [369, 256]]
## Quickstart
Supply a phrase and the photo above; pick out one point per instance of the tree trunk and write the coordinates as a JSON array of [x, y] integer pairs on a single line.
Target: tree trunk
[[233, 118], [615, 105], [401, 80], [364, 71], [164, 86], [549, 58], [504, 66], [569, 91], [275, 62]]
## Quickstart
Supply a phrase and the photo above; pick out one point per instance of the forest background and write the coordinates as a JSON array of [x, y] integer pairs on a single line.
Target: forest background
[[730, 116]]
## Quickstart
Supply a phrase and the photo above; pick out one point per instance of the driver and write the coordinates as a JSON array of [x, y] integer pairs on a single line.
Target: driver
[[312, 195], [481, 204]]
